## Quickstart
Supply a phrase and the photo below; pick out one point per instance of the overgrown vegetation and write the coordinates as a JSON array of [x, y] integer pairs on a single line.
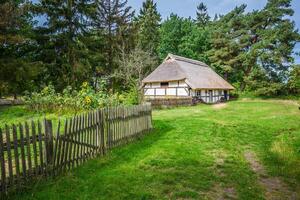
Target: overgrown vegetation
[[48, 100], [78, 41], [194, 153]]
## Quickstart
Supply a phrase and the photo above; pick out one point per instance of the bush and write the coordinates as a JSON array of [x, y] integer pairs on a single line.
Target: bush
[[272, 90], [48, 100], [234, 94], [131, 97]]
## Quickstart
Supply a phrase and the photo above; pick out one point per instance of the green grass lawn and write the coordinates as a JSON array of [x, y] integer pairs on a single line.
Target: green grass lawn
[[194, 153], [19, 114]]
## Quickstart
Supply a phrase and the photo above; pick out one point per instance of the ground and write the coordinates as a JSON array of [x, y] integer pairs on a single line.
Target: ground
[[19, 114], [247, 149]]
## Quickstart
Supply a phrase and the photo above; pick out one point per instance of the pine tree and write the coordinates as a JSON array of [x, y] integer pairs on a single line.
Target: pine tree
[[60, 39], [202, 15], [148, 27], [269, 40], [17, 71], [113, 21], [225, 46], [262, 40]]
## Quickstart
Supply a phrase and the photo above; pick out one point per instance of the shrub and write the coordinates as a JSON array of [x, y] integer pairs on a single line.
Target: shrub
[[48, 100], [273, 89], [234, 94], [131, 97]]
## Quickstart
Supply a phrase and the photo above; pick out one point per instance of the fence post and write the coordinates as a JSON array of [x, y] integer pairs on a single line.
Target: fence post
[[48, 144], [2, 164], [102, 124]]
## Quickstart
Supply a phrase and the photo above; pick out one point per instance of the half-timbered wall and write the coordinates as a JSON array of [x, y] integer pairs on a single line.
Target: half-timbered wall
[[181, 89], [174, 88], [210, 96]]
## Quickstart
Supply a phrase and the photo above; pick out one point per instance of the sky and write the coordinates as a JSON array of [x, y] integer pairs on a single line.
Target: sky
[[187, 8]]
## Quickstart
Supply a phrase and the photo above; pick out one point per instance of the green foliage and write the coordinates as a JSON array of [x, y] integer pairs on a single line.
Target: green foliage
[[183, 37], [132, 96], [112, 22], [60, 40], [18, 72], [148, 27], [48, 100], [262, 39], [270, 90], [88, 40], [202, 15], [294, 80]]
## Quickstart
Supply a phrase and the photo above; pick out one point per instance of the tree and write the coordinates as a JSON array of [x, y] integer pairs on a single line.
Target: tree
[[148, 27], [134, 67], [294, 80], [172, 31], [113, 21], [269, 40], [202, 15], [225, 46], [17, 71], [183, 37], [196, 44], [259, 39], [60, 40]]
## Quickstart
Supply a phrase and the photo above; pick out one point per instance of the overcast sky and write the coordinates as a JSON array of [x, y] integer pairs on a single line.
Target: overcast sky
[[186, 8]]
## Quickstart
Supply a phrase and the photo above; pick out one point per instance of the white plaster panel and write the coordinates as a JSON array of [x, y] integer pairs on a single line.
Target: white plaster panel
[[171, 91], [160, 91], [182, 92]]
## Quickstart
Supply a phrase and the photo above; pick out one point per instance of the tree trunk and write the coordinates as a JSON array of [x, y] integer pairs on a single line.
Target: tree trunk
[[242, 86]]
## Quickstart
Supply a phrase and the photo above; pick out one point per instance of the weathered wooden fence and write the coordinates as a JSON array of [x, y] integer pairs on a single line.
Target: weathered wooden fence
[[33, 149]]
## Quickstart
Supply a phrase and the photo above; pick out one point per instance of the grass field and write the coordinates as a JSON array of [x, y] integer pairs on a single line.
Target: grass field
[[19, 114], [248, 149]]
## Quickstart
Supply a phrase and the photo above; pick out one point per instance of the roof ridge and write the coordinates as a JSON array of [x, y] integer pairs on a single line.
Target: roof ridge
[[189, 60]]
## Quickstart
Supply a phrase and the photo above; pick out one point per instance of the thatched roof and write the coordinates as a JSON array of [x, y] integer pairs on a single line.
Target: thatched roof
[[196, 74]]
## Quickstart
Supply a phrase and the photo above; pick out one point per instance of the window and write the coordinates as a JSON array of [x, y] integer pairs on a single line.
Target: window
[[198, 93], [164, 84]]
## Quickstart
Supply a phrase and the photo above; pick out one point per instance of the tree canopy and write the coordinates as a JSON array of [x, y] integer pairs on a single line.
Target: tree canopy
[[92, 40]]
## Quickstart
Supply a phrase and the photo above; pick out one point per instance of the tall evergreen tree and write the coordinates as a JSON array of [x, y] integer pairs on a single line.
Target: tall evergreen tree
[[202, 15], [60, 39], [225, 46], [148, 26], [269, 40], [113, 21], [262, 39], [17, 71]]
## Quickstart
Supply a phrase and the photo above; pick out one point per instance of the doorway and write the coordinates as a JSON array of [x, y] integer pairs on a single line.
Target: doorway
[[210, 96], [225, 95]]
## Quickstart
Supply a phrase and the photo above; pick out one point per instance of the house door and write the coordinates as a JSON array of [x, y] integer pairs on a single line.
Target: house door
[[225, 95], [210, 96]]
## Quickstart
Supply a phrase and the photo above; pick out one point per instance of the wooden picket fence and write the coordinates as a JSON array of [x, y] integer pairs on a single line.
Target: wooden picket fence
[[36, 149]]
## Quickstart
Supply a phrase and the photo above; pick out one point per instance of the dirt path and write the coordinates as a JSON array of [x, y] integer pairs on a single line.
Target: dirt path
[[220, 191], [275, 188], [220, 106]]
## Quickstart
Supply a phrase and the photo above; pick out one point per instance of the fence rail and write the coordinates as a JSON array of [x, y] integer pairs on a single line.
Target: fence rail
[[33, 149]]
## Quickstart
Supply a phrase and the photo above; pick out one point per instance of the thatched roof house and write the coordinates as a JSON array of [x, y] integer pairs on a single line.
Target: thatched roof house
[[179, 76]]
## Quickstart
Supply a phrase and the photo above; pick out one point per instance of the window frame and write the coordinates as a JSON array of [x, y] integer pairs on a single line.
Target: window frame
[[164, 84]]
